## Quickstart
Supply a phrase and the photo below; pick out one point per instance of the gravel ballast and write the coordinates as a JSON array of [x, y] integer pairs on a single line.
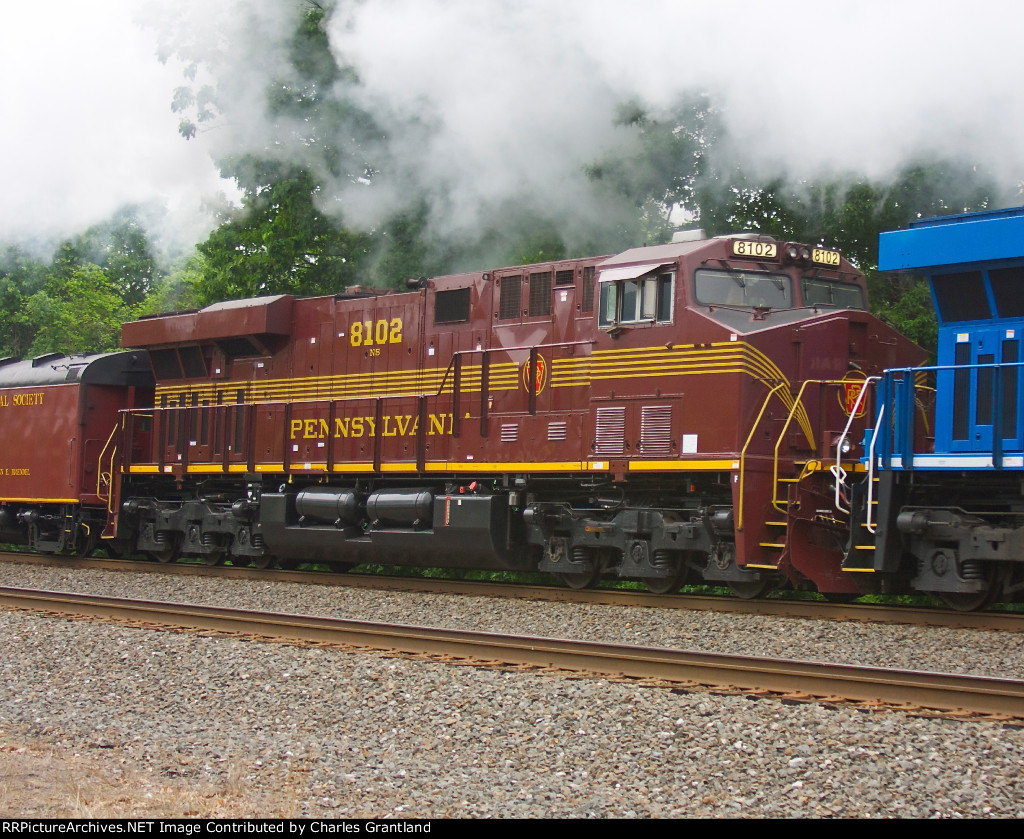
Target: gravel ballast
[[311, 732]]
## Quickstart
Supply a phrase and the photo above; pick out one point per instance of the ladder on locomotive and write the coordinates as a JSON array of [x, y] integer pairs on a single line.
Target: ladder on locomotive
[[786, 482]]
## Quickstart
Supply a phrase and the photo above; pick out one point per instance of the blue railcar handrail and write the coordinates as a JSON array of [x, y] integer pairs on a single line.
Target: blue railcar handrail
[[897, 391]]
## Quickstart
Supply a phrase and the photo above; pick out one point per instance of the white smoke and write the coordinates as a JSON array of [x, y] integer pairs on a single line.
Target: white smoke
[[523, 92], [87, 127], [510, 99]]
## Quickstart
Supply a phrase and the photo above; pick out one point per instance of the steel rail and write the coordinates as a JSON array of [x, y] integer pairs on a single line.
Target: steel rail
[[807, 609], [937, 691]]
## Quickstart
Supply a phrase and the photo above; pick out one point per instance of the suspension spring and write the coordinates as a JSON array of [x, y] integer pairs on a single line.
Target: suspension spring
[[972, 570]]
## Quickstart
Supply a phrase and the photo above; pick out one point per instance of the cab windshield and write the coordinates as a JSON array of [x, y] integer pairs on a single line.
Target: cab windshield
[[744, 289], [822, 292]]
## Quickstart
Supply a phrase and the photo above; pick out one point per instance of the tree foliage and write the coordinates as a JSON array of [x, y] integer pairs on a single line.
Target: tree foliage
[[278, 242], [675, 171], [673, 167], [81, 314], [77, 302]]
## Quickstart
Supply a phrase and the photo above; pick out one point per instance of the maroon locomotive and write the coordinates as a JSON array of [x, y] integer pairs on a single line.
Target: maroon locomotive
[[667, 410]]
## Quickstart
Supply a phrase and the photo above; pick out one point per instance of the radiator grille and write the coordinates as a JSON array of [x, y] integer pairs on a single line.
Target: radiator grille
[[588, 289], [509, 432], [510, 291], [540, 294]]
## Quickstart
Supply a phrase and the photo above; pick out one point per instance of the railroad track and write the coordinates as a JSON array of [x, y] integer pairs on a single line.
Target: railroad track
[[815, 610], [801, 680]]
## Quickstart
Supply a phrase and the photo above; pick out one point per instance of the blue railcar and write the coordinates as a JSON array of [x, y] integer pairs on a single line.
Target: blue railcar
[[941, 508]]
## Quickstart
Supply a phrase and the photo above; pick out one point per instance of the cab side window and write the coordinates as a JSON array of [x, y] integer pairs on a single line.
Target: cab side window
[[643, 300]]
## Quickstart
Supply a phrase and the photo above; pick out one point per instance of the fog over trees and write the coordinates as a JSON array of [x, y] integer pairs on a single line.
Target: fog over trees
[[332, 193]]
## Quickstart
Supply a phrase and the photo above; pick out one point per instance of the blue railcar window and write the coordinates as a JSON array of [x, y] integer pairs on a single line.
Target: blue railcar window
[[1011, 354], [961, 391], [961, 296], [983, 410], [1008, 290]]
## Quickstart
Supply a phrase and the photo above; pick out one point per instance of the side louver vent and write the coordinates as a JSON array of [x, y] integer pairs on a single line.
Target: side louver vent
[[611, 431], [509, 432], [656, 430], [556, 431]]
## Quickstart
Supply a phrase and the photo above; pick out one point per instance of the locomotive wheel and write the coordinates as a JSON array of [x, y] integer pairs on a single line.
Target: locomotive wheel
[[111, 551], [241, 561], [263, 561], [87, 545], [972, 601], [169, 553], [669, 584], [213, 558], [287, 564], [749, 589], [582, 580]]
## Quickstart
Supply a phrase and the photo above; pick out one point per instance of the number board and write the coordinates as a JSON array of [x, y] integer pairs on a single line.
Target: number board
[[754, 250], [820, 256]]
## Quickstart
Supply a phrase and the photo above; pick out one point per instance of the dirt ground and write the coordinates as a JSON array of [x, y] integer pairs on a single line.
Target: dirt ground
[[39, 780]]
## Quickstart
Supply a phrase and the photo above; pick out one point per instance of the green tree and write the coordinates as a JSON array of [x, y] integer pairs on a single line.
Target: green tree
[[660, 166], [21, 276], [84, 315], [278, 242], [120, 246], [177, 290], [281, 240]]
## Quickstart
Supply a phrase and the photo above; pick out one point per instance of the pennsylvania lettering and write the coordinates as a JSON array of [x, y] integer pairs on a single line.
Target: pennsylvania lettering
[[391, 425]]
